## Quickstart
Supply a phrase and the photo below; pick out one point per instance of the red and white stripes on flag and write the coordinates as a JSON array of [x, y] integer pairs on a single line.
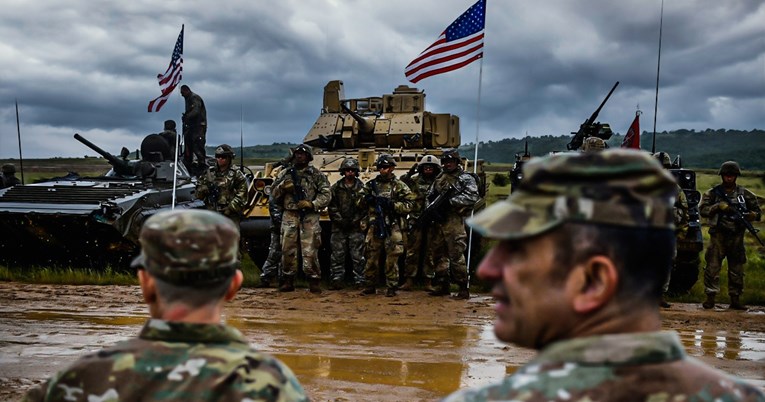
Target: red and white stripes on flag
[[172, 76], [459, 45]]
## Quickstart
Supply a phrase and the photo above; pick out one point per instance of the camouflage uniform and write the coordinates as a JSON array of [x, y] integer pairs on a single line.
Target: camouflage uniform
[[301, 225], [648, 366], [726, 236], [395, 201], [346, 220], [230, 184], [450, 237], [194, 127], [273, 265], [419, 184], [173, 360], [680, 215], [622, 188], [8, 178]]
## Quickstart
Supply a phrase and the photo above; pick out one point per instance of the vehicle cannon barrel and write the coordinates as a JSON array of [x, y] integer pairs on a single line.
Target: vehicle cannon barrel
[[121, 166], [366, 126], [591, 128]]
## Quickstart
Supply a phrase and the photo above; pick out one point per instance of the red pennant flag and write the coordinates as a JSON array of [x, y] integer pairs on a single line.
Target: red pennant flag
[[632, 139]]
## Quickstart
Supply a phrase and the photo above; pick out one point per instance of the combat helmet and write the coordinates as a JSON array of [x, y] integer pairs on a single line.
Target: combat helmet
[[450, 154], [350, 163], [729, 168], [304, 148], [224, 150], [9, 168], [663, 158], [429, 160], [385, 160]]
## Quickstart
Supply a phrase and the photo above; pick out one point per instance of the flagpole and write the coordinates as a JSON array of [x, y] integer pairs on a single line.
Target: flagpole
[[658, 67], [475, 161], [18, 132]]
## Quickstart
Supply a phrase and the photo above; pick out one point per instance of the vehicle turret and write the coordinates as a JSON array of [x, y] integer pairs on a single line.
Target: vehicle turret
[[591, 128], [122, 167]]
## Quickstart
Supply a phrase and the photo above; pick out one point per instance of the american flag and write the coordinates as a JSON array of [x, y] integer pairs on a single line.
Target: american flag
[[170, 79], [459, 45]]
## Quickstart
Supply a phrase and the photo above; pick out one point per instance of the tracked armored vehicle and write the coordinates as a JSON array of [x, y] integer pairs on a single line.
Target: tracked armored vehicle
[[92, 221], [363, 128]]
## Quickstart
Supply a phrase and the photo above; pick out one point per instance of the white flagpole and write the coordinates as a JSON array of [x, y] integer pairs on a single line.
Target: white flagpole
[[475, 161]]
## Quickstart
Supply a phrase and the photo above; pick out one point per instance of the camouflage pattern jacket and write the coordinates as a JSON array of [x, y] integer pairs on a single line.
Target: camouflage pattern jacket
[[314, 184], [342, 207], [401, 197], [719, 220], [419, 185], [681, 212], [466, 190], [172, 361], [223, 191], [649, 366]]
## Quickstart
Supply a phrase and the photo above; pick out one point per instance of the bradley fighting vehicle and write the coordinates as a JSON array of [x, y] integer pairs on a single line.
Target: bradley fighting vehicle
[[363, 128], [92, 221]]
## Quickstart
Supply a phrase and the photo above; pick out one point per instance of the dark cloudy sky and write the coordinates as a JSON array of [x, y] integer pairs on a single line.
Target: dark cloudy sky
[[90, 66]]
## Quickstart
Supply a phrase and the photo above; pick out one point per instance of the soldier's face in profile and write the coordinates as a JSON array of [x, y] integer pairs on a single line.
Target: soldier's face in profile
[[532, 309]]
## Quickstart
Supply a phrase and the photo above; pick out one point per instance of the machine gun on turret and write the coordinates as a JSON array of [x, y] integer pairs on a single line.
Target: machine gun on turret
[[590, 128], [122, 167]]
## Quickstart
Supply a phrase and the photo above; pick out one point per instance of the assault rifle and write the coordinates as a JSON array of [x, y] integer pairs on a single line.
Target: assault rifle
[[736, 212], [298, 194], [213, 194], [381, 229], [434, 211]]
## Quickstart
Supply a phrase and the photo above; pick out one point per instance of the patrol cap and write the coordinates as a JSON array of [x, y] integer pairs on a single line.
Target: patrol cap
[[614, 187], [192, 247]]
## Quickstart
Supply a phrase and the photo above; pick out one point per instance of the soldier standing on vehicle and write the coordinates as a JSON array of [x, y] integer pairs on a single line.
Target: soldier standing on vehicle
[[572, 279], [419, 179], [9, 178], [194, 129], [222, 188], [450, 237], [727, 206], [302, 191], [187, 270], [681, 220], [346, 219], [387, 200]]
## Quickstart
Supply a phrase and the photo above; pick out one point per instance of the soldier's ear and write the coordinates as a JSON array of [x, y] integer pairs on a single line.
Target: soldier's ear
[[148, 287], [236, 284], [592, 284]]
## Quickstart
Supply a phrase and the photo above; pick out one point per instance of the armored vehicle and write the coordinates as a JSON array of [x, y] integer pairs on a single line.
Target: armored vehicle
[[92, 221], [363, 128]]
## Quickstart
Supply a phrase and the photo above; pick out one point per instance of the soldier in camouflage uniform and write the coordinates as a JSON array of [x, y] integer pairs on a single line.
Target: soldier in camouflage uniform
[[450, 238], [346, 219], [222, 188], [187, 269], [388, 200], [302, 191], [419, 179], [726, 234], [273, 266], [8, 178], [572, 279]]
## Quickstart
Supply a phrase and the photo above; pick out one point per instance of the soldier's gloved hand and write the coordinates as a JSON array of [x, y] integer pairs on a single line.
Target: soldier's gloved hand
[[750, 216], [305, 204], [288, 186], [412, 170], [722, 206]]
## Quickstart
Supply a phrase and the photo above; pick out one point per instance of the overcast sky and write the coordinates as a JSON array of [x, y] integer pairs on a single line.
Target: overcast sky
[[90, 66]]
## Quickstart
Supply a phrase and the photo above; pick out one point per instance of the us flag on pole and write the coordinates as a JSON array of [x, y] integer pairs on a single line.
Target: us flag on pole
[[459, 45], [170, 79]]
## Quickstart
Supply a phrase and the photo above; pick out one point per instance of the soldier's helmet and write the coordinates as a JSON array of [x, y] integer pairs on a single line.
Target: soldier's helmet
[[170, 125], [9, 168], [304, 148], [429, 160], [385, 160], [350, 163], [189, 247], [224, 150], [593, 144], [663, 158], [450, 154], [730, 168]]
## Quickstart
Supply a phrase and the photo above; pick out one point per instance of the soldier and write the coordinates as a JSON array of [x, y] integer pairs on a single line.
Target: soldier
[[222, 188], [9, 178], [450, 238], [346, 224], [194, 128], [572, 279], [187, 270], [273, 266], [419, 179], [387, 200], [171, 136], [302, 191], [680, 210], [722, 205]]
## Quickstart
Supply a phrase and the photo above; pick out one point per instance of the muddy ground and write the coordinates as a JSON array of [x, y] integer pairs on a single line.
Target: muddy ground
[[342, 346]]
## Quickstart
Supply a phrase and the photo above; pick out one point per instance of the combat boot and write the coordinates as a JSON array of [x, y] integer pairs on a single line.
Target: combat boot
[[463, 293], [710, 302], [408, 284], [265, 282], [390, 292], [442, 288], [336, 284], [428, 286], [735, 304], [663, 303], [287, 285], [313, 285]]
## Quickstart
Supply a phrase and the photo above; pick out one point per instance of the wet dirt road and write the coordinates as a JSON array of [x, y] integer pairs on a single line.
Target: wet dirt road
[[343, 347]]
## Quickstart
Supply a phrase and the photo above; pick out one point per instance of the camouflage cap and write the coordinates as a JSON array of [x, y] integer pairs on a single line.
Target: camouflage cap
[[729, 168], [191, 247], [614, 187]]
